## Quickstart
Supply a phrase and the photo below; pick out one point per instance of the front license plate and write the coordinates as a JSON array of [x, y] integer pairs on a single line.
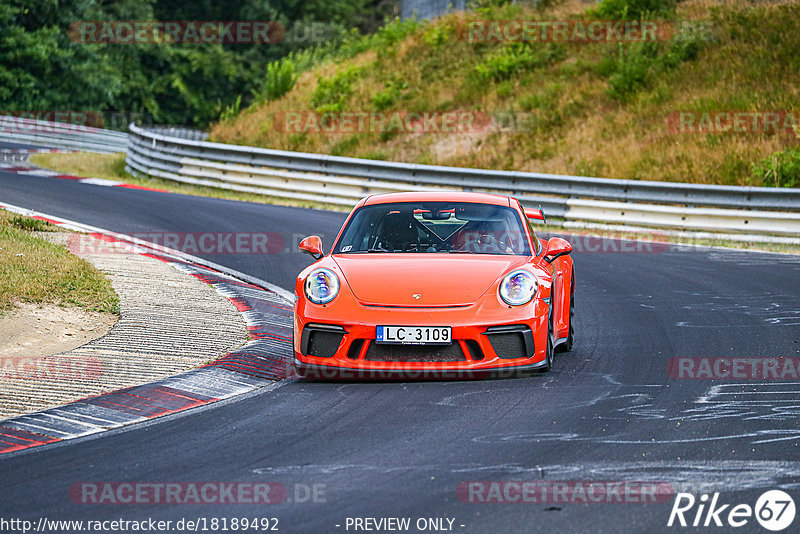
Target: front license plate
[[414, 335]]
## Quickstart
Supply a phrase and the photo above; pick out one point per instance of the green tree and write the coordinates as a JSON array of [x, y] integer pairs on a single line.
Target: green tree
[[42, 69]]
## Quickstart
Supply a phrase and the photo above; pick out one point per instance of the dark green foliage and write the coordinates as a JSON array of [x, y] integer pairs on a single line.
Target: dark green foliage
[[385, 99], [517, 57], [330, 92], [635, 9], [630, 66], [281, 77], [781, 169], [43, 70]]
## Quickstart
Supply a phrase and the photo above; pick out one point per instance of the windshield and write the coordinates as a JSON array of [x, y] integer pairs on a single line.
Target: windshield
[[444, 227]]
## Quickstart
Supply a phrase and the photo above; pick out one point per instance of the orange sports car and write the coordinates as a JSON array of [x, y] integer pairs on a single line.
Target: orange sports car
[[434, 285]]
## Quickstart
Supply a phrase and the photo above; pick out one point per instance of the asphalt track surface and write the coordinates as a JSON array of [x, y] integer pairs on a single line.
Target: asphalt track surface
[[608, 411]]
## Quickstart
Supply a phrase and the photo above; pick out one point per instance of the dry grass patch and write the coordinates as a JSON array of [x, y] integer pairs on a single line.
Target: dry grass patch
[[594, 116], [35, 270]]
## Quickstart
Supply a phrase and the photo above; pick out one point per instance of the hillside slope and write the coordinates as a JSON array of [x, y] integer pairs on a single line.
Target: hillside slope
[[593, 108]]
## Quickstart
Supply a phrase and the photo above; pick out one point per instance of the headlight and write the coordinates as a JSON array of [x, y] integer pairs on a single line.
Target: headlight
[[518, 287], [322, 286]]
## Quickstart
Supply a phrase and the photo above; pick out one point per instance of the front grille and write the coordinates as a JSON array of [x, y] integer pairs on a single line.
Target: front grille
[[323, 344], [414, 353], [508, 345]]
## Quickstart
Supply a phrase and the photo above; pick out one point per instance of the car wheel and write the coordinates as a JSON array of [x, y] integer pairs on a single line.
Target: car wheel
[[567, 345]]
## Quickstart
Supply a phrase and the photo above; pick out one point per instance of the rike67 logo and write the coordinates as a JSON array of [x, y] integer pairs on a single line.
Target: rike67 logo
[[774, 510]]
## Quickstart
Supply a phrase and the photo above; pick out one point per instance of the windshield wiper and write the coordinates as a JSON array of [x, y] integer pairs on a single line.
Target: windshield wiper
[[365, 251]]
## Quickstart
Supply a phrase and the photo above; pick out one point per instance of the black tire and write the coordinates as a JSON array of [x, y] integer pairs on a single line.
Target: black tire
[[567, 345]]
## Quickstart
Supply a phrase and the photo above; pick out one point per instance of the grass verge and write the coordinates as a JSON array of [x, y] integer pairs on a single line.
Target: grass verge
[[34, 270]]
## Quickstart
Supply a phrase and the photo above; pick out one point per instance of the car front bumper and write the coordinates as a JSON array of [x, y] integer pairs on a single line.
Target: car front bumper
[[503, 342]]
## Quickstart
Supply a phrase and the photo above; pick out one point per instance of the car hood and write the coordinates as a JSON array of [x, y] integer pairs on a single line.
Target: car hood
[[386, 279]]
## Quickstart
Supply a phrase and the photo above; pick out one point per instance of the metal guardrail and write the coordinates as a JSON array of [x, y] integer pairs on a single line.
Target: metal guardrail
[[341, 180], [61, 135], [184, 155], [293, 175]]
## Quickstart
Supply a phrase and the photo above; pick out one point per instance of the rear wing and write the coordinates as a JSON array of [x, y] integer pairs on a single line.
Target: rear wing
[[538, 214]]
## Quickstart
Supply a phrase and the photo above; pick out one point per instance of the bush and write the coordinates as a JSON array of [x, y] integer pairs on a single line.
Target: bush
[[232, 111], [345, 146], [781, 169], [281, 77], [685, 47], [503, 65], [391, 94], [482, 4], [438, 34], [628, 72], [394, 31], [330, 92], [514, 58], [635, 9]]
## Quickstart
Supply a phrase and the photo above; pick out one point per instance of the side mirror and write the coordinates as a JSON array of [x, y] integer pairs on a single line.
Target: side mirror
[[312, 245], [557, 247]]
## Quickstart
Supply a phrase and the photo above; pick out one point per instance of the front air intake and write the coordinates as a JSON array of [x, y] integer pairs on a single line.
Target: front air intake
[[511, 341], [321, 340]]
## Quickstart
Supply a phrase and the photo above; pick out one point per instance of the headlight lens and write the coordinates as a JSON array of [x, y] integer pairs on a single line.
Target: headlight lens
[[518, 288], [322, 286]]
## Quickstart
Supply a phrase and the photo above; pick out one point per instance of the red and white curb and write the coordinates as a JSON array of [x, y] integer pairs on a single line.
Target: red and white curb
[[124, 407], [267, 358]]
